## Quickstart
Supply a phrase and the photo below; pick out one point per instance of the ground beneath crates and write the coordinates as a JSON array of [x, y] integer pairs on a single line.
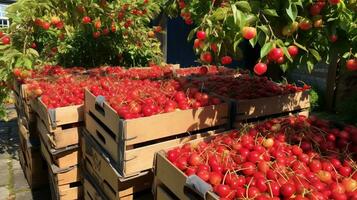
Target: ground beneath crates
[[13, 184]]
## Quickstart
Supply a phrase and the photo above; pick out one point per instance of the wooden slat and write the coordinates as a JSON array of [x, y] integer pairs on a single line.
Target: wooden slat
[[143, 158], [59, 138], [62, 160], [137, 159], [162, 194], [64, 115], [252, 108], [159, 126], [90, 192], [108, 178]]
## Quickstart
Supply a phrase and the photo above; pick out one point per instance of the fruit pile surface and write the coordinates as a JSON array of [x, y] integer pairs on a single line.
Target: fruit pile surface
[[285, 158], [247, 87]]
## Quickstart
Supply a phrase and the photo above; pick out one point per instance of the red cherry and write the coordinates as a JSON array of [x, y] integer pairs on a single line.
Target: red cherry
[[226, 60], [293, 50], [215, 178], [86, 20], [260, 68], [351, 64], [275, 54], [222, 190], [203, 174], [5, 40], [249, 32], [333, 38], [315, 9], [287, 190], [46, 25], [201, 35], [206, 57]]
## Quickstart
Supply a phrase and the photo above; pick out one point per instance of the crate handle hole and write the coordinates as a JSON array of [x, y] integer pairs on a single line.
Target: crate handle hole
[[101, 137]]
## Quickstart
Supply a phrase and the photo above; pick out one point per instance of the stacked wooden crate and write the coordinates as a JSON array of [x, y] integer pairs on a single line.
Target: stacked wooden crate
[[59, 133], [118, 154], [30, 157]]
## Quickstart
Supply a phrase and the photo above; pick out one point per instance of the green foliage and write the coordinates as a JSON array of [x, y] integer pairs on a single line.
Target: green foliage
[[53, 32], [277, 24]]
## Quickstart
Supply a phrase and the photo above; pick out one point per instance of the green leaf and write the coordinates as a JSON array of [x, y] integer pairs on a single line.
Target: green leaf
[[244, 6], [270, 12], [286, 53], [266, 49], [220, 14], [292, 11], [234, 10], [346, 55], [310, 66], [315, 54], [284, 67], [300, 46], [254, 41], [265, 29]]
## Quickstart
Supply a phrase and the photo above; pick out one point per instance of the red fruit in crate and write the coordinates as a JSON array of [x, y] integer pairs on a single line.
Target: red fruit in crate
[[287, 190], [215, 178], [248, 168], [249, 32], [195, 159], [349, 184], [345, 171], [16, 72], [222, 190], [260, 68], [204, 175], [201, 35]]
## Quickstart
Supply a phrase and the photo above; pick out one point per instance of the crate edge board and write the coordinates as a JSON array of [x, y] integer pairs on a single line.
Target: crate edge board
[[114, 153], [57, 159], [244, 107], [56, 194], [57, 116], [92, 187], [105, 175], [56, 139], [127, 129]]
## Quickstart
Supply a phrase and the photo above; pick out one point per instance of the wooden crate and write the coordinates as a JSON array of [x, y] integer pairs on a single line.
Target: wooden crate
[[55, 118], [162, 193], [136, 131], [69, 191], [91, 191], [60, 138], [28, 130], [31, 160], [174, 179], [23, 108], [130, 160], [63, 158], [268, 106], [100, 168]]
